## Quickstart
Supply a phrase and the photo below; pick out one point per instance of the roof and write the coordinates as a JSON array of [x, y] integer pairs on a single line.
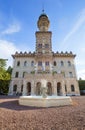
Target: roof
[[43, 15]]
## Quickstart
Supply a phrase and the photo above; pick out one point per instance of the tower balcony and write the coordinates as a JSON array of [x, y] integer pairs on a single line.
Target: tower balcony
[[45, 69]]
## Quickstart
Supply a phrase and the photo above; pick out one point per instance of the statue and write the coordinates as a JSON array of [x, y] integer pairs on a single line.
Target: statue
[[44, 92], [44, 89]]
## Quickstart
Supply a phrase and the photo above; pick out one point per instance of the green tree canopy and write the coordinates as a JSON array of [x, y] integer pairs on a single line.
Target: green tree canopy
[[82, 84], [9, 70], [4, 75], [2, 63]]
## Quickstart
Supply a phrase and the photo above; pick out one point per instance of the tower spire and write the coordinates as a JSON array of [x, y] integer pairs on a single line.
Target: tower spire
[[43, 11], [43, 8]]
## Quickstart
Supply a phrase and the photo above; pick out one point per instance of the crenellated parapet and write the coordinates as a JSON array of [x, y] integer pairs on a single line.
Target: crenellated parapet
[[23, 54], [63, 54]]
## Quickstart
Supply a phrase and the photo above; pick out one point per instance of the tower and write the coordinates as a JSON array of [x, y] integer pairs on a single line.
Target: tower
[[43, 36], [43, 44]]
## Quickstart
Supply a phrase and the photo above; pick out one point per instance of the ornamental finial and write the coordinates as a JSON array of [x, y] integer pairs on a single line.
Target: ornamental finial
[[43, 8]]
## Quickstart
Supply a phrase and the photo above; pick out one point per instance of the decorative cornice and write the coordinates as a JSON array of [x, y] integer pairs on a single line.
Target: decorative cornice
[[43, 32]]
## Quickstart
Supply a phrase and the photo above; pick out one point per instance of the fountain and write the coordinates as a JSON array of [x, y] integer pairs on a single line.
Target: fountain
[[44, 100]]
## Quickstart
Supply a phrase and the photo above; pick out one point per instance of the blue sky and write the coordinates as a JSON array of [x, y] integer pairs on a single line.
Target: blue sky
[[18, 23]]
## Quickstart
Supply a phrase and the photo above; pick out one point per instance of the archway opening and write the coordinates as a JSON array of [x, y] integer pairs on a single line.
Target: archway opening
[[28, 88], [15, 89], [21, 89], [49, 89], [59, 93], [38, 87]]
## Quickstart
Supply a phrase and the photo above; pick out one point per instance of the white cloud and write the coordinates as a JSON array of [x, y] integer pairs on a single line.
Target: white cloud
[[77, 25], [83, 49], [12, 28], [6, 50], [80, 62], [80, 68], [81, 74]]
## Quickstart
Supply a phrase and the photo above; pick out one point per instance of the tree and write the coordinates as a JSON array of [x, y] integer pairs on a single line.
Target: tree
[[81, 84], [2, 63], [5, 76], [9, 70]]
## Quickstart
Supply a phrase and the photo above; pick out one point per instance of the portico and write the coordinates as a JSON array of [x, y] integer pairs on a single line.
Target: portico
[[32, 84]]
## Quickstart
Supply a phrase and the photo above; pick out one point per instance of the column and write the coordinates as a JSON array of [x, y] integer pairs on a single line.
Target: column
[[24, 88], [11, 88], [68, 87], [36, 68], [55, 88], [43, 66], [19, 86], [32, 88], [63, 89], [51, 67]]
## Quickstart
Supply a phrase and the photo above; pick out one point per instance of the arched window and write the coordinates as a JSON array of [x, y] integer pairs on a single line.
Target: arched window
[[62, 63], [47, 63], [32, 63], [24, 74], [65, 88], [15, 88], [70, 74], [25, 63], [16, 74], [39, 63], [46, 45], [72, 88], [54, 63], [39, 45], [18, 63], [69, 63]]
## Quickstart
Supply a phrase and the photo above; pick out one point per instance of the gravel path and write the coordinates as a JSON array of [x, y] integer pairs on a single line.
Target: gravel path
[[15, 117]]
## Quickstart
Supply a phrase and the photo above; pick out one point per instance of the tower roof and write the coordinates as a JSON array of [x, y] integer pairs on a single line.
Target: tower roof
[[43, 15], [43, 22]]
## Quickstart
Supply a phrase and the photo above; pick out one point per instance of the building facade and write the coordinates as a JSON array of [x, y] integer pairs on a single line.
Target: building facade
[[30, 70]]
